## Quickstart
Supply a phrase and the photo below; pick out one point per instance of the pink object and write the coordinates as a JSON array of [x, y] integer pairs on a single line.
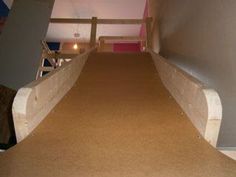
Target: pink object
[[126, 47]]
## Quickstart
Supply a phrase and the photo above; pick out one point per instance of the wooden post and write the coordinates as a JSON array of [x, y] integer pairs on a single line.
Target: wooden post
[[93, 32], [148, 33], [102, 43]]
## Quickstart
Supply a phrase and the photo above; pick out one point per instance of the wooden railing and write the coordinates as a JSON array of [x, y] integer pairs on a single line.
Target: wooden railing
[[56, 59], [34, 101], [95, 21], [103, 39]]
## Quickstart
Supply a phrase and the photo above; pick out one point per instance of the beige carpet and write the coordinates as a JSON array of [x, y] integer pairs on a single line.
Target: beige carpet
[[117, 121]]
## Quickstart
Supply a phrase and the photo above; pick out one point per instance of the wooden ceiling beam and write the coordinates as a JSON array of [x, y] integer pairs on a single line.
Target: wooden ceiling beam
[[99, 21], [128, 38], [70, 20]]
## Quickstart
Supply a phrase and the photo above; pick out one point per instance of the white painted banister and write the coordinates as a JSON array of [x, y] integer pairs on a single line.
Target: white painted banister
[[202, 105], [34, 101]]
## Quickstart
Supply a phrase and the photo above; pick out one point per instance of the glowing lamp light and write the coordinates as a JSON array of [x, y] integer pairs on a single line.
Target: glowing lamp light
[[75, 46]]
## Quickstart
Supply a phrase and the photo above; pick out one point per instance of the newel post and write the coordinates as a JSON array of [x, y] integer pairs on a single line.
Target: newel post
[[93, 32]]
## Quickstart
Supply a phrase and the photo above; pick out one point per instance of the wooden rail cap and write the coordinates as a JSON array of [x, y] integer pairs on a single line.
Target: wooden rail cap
[[99, 21]]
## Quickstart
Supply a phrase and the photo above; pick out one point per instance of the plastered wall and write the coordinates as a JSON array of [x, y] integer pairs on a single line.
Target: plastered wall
[[20, 46], [200, 37]]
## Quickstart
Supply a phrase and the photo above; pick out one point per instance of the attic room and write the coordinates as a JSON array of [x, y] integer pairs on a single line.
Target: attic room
[[97, 88]]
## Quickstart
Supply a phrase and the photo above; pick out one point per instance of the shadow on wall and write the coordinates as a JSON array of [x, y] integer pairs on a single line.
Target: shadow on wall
[[200, 35], [7, 132], [4, 10]]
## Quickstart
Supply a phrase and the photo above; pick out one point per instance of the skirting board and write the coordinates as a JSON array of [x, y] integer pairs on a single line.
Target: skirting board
[[202, 105]]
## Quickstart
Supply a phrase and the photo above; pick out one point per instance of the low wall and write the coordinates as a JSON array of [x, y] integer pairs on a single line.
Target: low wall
[[34, 101], [202, 105]]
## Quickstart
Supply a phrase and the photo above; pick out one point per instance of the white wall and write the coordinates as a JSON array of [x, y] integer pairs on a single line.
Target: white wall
[[200, 37], [113, 9]]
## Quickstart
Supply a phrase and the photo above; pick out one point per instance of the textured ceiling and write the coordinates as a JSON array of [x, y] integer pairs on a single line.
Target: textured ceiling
[[116, 9]]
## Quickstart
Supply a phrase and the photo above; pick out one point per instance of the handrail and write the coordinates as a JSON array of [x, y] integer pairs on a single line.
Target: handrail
[[34, 101], [201, 104], [94, 21], [129, 38], [99, 21], [103, 39]]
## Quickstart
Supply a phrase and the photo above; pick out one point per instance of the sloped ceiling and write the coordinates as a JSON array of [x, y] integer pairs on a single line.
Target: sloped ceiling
[[113, 9]]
